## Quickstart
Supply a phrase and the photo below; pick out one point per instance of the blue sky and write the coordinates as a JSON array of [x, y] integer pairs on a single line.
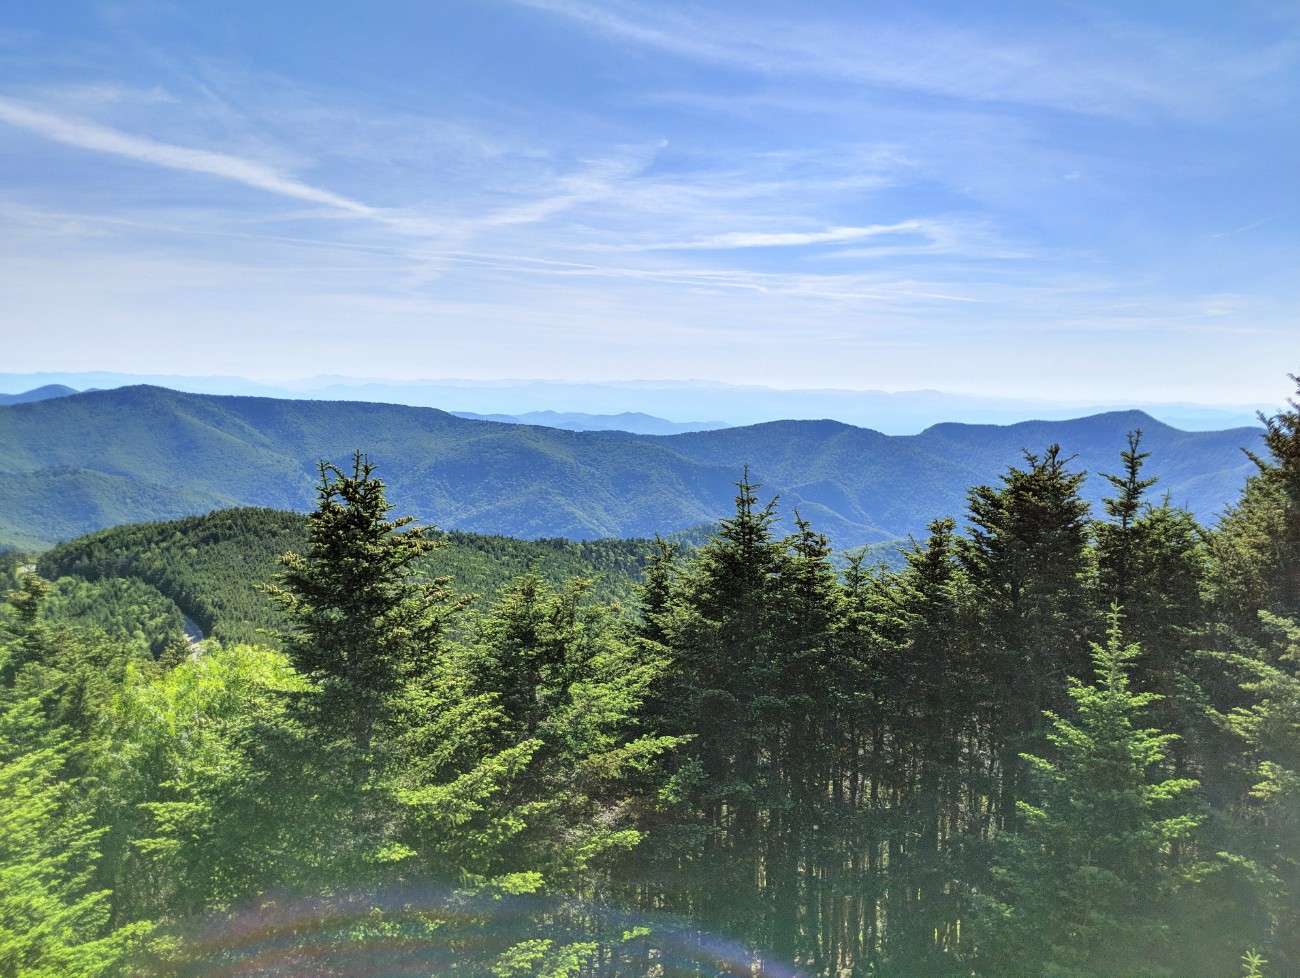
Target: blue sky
[[1038, 199]]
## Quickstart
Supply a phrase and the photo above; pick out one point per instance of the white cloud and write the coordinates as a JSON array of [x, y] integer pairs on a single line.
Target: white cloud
[[1245, 227], [1112, 69], [92, 136], [782, 239]]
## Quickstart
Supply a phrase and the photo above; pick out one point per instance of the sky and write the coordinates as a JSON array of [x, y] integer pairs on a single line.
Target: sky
[[1046, 199]]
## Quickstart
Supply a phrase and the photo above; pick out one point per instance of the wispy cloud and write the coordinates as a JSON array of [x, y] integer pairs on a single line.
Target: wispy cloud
[[597, 181], [537, 199], [1106, 70], [103, 139], [101, 93], [842, 288], [782, 239], [1245, 227]]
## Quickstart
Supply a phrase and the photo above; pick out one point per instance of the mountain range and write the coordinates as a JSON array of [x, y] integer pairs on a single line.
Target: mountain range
[[76, 463], [635, 422], [680, 401], [632, 421]]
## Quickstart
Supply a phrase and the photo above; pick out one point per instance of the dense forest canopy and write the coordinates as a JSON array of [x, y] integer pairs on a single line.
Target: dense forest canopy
[[212, 567], [1057, 740]]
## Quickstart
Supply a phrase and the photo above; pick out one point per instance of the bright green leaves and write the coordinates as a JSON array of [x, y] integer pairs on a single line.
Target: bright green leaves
[[182, 791], [54, 923]]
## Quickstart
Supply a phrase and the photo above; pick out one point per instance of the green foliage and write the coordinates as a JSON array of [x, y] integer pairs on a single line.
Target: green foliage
[[1258, 544], [749, 627], [1151, 564], [72, 672], [519, 753], [1269, 728], [209, 566], [128, 611], [1089, 878], [1028, 556], [194, 825], [79, 463], [359, 618], [1028, 560], [54, 923], [780, 764], [13, 565], [504, 767], [212, 566], [1253, 964]]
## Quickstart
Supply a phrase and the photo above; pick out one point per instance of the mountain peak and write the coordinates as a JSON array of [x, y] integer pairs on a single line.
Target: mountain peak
[[45, 393]]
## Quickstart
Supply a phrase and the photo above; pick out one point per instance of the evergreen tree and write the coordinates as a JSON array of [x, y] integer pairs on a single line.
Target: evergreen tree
[[1029, 562], [363, 624], [361, 616], [802, 727], [933, 694], [654, 594], [1251, 768], [1256, 548], [1151, 565], [721, 631], [1267, 835], [26, 643], [1281, 472], [1119, 539], [1087, 884]]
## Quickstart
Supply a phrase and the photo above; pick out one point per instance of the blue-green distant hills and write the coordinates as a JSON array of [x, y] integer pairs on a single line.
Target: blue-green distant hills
[[37, 394], [77, 463], [630, 421]]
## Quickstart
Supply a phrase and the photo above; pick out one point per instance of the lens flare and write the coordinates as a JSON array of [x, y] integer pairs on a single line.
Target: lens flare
[[431, 932]]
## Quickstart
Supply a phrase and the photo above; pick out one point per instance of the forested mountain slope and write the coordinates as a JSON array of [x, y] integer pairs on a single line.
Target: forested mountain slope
[[79, 463], [845, 476], [212, 567], [1062, 742]]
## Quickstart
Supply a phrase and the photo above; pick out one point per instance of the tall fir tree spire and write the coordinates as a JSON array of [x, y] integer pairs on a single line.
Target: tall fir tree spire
[[361, 615]]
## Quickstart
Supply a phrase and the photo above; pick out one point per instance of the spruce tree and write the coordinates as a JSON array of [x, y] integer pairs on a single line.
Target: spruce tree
[[1151, 565], [720, 628], [361, 615], [1031, 569], [1118, 539], [54, 919], [1257, 546], [932, 694], [1267, 820], [1086, 886]]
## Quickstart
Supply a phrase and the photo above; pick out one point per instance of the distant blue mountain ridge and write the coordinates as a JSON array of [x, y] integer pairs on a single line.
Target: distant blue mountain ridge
[[38, 394], [80, 462], [694, 402], [630, 421]]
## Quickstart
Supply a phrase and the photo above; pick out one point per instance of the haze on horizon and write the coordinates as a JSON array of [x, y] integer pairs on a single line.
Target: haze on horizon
[[1054, 201]]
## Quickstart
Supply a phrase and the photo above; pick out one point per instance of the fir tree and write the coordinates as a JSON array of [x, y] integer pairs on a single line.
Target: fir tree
[[1031, 569], [1118, 541], [1086, 886], [361, 616]]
